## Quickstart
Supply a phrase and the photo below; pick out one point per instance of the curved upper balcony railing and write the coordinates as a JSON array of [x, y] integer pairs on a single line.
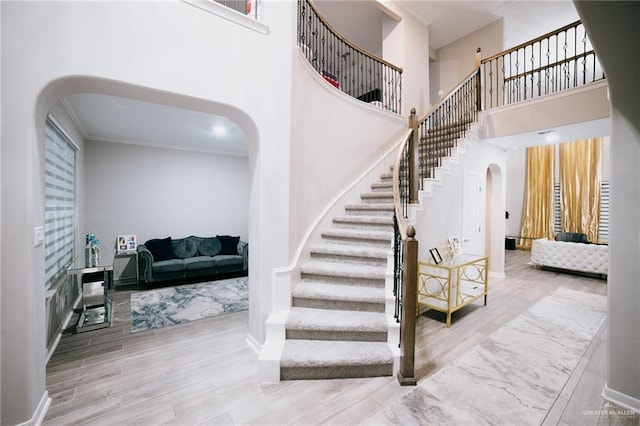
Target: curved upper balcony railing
[[346, 66], [554, 62]]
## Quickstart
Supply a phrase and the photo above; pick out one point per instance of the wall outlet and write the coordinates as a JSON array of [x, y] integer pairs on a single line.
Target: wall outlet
[[38, 235]]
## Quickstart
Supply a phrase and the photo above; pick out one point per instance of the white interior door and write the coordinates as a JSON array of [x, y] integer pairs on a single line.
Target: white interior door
[[472, 217]]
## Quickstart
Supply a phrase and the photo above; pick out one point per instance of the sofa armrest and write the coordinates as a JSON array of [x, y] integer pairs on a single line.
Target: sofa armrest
[[243, 250], [537, 251], [145, 262]]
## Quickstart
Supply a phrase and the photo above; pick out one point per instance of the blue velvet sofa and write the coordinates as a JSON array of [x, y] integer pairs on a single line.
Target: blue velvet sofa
[[193, 258]]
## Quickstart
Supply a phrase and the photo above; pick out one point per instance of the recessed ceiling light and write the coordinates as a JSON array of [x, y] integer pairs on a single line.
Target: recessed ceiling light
[[219, 130]]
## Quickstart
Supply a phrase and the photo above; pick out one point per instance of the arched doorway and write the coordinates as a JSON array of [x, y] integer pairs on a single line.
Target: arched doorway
[[66, 87], [495, 202]]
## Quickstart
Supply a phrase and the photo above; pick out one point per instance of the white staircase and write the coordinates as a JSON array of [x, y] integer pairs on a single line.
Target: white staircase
[[341, 323], [337, 326]]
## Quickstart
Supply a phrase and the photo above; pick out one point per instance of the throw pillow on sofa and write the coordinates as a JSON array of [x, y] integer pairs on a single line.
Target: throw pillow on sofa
[[209, 247], [572, 237], [161, 249], [185, 248], [229, 244]]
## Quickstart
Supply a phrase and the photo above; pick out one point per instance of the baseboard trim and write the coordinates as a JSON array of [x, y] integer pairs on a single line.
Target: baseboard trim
[[621, 400], [253, 344], [497, 274], [41, 411], [64, 326]]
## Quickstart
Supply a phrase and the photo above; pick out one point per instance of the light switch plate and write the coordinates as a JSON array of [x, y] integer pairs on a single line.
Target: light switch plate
[[38, 235]]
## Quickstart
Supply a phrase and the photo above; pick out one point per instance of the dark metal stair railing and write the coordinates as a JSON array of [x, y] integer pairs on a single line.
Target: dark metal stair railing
[[416, 160], [347, 67], [559, 60], [448, 121]]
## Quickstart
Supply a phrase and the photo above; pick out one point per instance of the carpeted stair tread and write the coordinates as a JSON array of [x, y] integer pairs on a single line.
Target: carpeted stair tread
[[350, 250], [370, 206], [382, 186], [338, 292], [333, 353], [364, 220], [336, 320], [358, 234], [378, 196], [346, 270]]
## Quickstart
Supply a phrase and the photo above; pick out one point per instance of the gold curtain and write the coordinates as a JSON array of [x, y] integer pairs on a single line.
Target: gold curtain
[[537, 212], [580, 186]]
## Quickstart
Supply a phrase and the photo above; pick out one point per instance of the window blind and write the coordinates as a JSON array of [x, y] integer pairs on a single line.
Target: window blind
[[60, 202], [603, 225]]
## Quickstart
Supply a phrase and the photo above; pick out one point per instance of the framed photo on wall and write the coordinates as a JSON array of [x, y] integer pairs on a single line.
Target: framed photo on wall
[[126, 243], [435, 254]]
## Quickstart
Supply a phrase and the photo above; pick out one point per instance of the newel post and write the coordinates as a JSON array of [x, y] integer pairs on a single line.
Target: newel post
[[479, 80], [406, 375], [413, 158]]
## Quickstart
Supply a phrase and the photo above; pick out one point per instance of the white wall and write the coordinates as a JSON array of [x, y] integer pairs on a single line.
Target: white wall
[[334, 139], [516, 165], [620, 62], [441, 215], [456, 60], [159, 192], [405, 43], [525, 24], [164, 52]]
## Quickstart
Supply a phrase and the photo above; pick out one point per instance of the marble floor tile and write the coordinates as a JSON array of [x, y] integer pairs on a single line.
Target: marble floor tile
[[514, 375]]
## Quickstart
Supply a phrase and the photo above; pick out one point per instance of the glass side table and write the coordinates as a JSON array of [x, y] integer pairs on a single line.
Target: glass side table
[[95, 281]]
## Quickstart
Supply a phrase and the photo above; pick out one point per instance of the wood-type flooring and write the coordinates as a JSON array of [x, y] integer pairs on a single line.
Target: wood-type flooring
[[205, 372]]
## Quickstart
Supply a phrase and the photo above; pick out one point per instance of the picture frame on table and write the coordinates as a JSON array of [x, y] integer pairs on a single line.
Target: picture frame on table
[[454, 244], [126, 243], [435, 254]]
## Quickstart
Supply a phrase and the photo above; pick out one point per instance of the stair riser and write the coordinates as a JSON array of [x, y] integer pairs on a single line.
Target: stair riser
[[443, 136], [341, 305], [333, 279], [383, 244], [362, 336], [374, 198], [439, 150], [364, 211], [364, 226], [335, 372], [386, 187], [360, 260]]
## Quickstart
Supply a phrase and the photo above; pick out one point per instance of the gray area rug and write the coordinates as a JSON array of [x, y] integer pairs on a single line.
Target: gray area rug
[[175, 305], [514, 375]]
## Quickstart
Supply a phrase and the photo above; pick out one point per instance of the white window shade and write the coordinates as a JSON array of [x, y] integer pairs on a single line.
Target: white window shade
[[60, 202]]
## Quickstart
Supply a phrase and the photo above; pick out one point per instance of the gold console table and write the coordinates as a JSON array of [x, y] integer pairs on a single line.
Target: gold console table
[[453, 283]]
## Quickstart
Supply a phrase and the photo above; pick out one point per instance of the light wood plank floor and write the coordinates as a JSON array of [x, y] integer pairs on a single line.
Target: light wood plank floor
[[204, 372]]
